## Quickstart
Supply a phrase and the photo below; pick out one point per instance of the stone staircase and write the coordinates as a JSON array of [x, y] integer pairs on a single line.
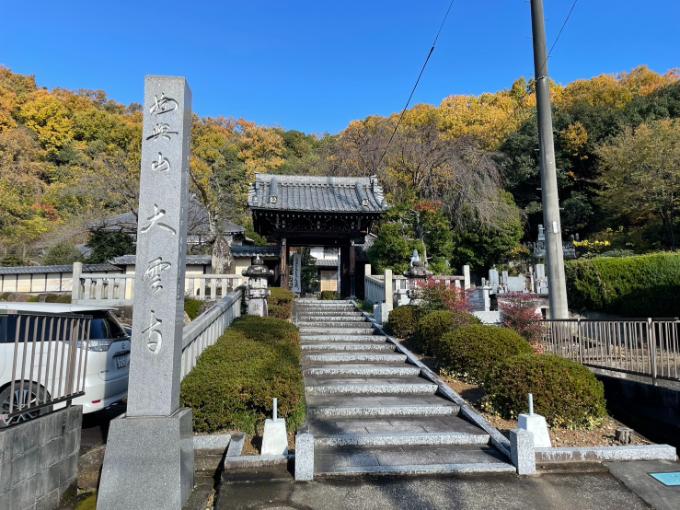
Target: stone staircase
[[369, 409]]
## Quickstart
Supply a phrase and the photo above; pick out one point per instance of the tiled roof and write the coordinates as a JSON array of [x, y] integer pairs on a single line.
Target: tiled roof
[[326, 262], [247, 250], [65, 268], [197, 260], [317, 194]]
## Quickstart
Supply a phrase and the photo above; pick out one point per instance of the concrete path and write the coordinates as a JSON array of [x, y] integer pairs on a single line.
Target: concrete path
[[371, 412], [274, 488]]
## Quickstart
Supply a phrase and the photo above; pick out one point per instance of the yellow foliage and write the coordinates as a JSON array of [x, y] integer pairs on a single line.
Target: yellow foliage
[[575, 138], [490, 117], [49, 118]]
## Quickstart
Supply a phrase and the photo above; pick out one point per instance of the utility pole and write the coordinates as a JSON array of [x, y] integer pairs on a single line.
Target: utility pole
[[551, 203]]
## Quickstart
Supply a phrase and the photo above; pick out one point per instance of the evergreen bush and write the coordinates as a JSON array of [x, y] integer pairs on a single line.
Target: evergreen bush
[[402, 321], [472, 352], [193, 307], [234, 381], [565, 392], [432, 326], [280, 303], [639, 286], [329, 295]]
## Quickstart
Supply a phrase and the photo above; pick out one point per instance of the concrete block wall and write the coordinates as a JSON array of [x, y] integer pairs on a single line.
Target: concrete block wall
[[39, 460]]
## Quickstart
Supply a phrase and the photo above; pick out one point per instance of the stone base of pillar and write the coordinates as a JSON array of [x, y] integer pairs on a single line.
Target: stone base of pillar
[[149, 463]]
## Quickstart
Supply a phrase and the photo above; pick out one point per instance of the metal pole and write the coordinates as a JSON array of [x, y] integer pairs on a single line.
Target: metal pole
[[551, 204]]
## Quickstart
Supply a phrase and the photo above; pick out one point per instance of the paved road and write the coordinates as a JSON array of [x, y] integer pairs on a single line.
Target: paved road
[[592, 490]]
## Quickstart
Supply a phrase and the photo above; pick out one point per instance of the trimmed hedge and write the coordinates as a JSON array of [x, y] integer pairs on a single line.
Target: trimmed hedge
[[403, 320], [642, 285], [280, 303], [565, 392], [193, 307], [234, 381], [434, 325], [473, 351], [329, 295]]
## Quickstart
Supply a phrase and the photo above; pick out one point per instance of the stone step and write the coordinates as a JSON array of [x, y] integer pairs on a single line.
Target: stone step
[[348, 460], [331, 318], [353, 346], [326, 306], [373, 406], [323, 301], [371, 370], [343, 338], [369, 386], [352, 357], [332, 324], [336, 331], [401, 439]]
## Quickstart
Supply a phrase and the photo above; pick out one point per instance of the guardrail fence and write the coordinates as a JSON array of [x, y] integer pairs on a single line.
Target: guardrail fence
[[648, 347], [49, 362], [207, 328]]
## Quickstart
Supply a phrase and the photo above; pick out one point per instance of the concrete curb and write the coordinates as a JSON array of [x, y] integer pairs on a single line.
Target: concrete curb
[[250, 461], [606, 453], [212, 441]]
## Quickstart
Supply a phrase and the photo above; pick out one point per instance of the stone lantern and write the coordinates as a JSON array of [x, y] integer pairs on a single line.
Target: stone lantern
[[257, 292], [416, 273]]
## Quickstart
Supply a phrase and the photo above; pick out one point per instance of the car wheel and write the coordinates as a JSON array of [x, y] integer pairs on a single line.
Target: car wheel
[[23, 399]]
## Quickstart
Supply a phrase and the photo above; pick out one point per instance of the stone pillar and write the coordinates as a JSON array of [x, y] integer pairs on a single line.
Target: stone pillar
[[486, 296], [257, 293], [352, 270], [149, 456], [389, 291], [466, 276], [304, 456], [522, 451], [367, 269], [284, 263], [75, 281]]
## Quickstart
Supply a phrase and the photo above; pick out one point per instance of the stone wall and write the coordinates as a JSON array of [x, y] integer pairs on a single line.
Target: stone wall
[[39, 460]]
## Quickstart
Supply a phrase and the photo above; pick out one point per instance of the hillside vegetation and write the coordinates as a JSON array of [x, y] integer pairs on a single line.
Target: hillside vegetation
[[463, 175]]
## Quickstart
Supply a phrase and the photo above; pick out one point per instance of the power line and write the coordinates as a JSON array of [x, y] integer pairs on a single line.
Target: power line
[[415, 85], [564, 24], [559, 34]]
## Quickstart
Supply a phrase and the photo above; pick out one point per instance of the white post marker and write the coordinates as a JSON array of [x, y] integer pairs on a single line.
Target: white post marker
[[274, 438], [536, 424]]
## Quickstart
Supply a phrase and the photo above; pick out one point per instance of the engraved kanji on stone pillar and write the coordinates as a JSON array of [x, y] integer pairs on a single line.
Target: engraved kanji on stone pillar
[[161, 249]]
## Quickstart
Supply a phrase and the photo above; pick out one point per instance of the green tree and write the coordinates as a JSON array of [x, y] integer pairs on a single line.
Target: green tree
[[61, 253], [640, 177], [106, 245]]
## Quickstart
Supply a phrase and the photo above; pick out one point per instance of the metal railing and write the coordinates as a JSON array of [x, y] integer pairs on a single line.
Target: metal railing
[[649, 347], [207, 328], [49, 362]]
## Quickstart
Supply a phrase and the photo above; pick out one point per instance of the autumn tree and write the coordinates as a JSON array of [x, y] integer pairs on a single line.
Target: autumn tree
[[640, 176]]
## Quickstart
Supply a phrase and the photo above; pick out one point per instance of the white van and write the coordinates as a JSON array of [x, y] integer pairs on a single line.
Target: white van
[[107, 361]]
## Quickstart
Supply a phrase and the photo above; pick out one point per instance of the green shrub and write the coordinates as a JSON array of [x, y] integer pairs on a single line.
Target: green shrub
[[403, 321], [432, 326], [329, 295], [565, 392], [643, 285], [193, 307], [58, 298], [472, 352], [234, 381], [281, 303]]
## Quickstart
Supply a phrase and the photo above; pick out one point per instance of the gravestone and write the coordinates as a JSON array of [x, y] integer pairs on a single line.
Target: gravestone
[[149, 455]]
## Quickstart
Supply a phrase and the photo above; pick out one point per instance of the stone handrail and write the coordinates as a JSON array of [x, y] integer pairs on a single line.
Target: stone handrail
[[112, 289], [109, 289], [204, 331]]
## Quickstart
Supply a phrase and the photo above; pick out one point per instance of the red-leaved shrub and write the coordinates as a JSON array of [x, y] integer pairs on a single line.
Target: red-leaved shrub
[[520, 312], [436, 295]]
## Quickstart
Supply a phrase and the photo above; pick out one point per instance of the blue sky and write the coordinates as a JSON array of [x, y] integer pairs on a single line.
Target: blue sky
[[317, 65]]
